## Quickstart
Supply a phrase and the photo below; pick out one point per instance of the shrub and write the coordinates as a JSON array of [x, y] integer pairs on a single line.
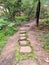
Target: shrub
[[21, 18], [46, 44], [6, 29], [10, 30], [46, 21], [2, 40], [44, 12]]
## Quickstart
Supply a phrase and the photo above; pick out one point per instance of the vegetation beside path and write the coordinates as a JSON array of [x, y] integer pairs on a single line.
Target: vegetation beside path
[[13, 14], [6, 29]]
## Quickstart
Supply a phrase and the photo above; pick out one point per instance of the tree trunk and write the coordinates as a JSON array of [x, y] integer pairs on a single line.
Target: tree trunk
[[38, 12]]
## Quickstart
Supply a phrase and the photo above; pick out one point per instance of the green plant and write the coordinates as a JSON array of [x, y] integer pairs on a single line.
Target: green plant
[[10, 30], [20, 56], [46, 43], [2, 23], [2, 40], [21, 18], [26, 35], [47, 22], [11, 24], [46, 46], [44, 12], [13, 7], [7, 29], [28, 43]]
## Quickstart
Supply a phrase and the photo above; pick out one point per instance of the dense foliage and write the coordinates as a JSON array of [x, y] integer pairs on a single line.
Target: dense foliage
[[6, 29], [15, 12]]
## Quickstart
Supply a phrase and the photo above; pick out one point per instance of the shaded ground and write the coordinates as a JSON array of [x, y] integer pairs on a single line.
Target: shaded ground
[[28, 62], [8, 54], [37, 44]]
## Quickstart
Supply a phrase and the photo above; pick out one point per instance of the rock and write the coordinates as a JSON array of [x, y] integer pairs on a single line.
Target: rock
[[23, 42], [25, 49], [22, 32], [22, 38], [22, 35], [47, 60], [22, 29], [28, 62]]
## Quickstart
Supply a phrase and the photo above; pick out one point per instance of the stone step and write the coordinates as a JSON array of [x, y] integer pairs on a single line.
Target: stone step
[[22, 35], [22, 32], [22, 29], [25, 49], [22, 38], [23, 42]]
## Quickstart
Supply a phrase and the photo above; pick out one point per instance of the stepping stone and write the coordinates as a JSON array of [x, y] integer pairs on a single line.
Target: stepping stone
[[23, 28], [25, 49], [27, 25], [22, 43], [47, 60], [22, 38], [22, 35], [22, 32], [28, 62]]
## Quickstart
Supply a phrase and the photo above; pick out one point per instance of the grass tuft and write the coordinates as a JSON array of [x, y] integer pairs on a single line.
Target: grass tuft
[[20, 56]]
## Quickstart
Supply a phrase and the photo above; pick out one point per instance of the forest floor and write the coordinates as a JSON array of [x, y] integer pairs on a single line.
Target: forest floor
[[42, 57], [8, 54], [37, 43]]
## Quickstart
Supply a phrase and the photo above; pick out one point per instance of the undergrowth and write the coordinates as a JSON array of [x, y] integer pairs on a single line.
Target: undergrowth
[[6, 29], [21, 56], [46, 43]]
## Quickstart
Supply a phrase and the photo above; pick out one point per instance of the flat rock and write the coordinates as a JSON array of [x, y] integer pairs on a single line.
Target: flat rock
[[21, 32], [22, 35], [22, 38], [47, 60], [28, 62], [23, 42], [23, 28], [25, 49]]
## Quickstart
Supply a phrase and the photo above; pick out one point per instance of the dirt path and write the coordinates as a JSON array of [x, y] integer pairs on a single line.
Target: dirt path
[[34, 37], [8, 54], [36, 43]]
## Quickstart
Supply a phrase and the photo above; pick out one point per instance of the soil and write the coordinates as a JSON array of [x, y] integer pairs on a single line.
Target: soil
[[37, 43], [8, 54]]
